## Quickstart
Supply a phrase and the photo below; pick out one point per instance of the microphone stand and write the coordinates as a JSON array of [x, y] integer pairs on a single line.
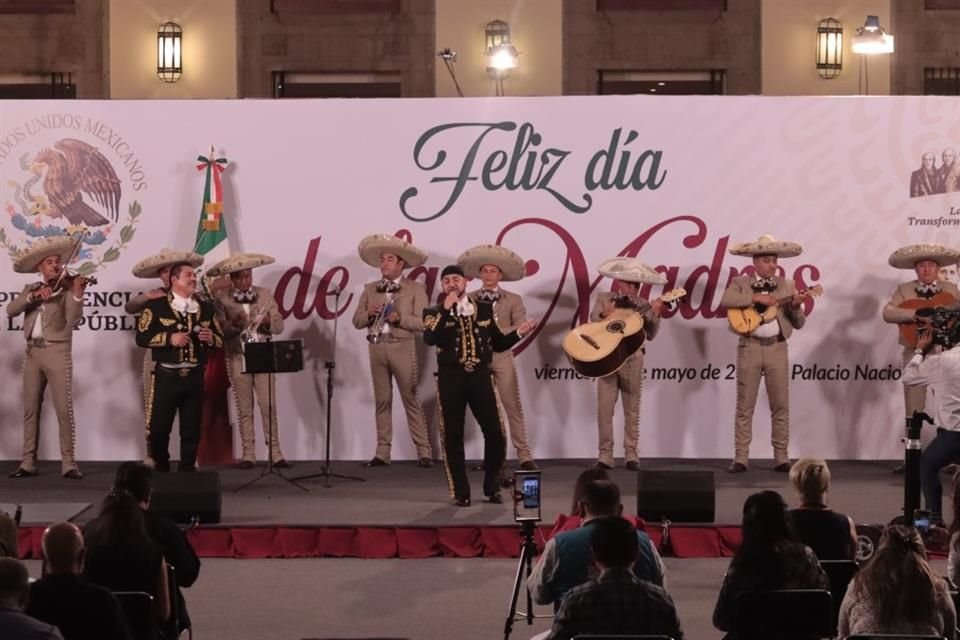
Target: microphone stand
[[326, 471]]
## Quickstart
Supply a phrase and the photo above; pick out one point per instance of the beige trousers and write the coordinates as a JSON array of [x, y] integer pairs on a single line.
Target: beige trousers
[[245, 386], [504, 372], [627, 382], [397, 359], [771, 362], [53, 365]]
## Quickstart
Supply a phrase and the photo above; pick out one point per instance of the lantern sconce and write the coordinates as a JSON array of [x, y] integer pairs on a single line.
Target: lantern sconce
[[502, 56], [829, 48], [169, 52]]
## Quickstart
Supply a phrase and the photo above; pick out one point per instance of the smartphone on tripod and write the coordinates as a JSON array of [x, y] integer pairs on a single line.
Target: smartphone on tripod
[[526, 496], [921, 520]]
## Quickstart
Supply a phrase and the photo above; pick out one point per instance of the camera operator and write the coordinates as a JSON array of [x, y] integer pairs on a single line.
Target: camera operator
[[941, 373]]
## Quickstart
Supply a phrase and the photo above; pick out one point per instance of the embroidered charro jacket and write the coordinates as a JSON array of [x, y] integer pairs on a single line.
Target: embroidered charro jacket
[[62, 314], [233, 314], [159, 320], [468, 341]]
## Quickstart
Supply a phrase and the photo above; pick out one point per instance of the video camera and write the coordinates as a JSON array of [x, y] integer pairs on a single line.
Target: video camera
[[944, 325]]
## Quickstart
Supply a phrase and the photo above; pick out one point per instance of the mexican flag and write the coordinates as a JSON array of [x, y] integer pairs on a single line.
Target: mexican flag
[[212, 229], [216, 434]]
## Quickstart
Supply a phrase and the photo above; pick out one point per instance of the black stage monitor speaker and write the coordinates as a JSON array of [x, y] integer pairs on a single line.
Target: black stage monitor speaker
[[678, 496], [184, 496]]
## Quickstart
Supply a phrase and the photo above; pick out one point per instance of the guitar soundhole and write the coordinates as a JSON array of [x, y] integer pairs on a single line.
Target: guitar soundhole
[[616, 326]]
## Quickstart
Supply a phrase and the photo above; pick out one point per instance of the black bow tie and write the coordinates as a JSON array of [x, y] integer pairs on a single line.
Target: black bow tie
[[387, 286], [487, 295], [927, 290], [245, 297], [765, 284]]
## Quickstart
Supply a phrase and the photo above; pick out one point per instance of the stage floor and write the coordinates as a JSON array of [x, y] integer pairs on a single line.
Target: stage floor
[[405, 495]]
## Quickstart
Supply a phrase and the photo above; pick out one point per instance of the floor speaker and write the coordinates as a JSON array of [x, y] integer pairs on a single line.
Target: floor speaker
[[678, 496], [185, 496]]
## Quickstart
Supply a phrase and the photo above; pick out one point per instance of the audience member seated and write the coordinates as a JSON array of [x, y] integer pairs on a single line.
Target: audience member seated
[[898, 592], [953, 552], [8, 537], [565, 522], [14, 593], [136, 479], [769, 558], [122, 557], [565, 561], [831, 535], [616, 601], [79, 609]]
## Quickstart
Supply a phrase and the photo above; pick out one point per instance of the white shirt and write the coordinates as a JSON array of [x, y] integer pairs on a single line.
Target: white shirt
[[768, 329], [941, 373], [184, 305]]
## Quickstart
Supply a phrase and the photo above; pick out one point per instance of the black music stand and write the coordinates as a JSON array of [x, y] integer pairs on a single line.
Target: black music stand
[[281, 356], [326, 471]]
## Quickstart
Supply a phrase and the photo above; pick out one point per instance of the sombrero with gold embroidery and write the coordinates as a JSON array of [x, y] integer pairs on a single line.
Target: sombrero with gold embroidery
[[239, 262], [907, 257], [27, 260], [150, 267], [510, 264], [767, 245], [630, 270], [372, 247]]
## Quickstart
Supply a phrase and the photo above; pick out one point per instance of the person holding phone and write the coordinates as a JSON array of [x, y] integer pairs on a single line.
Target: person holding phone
[[466, 336]]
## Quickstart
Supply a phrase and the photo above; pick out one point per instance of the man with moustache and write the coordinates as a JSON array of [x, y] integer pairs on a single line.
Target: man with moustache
[[493, 264], [627, 381], [763, 353], [52, 309], [155, 266], [250, 314], [391, 312], [926, 261], [466, 335], [179, 329]]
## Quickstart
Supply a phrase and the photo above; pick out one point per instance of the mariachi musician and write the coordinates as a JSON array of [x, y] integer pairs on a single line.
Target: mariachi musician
[[155, 266], [926, 291], [52, 309]]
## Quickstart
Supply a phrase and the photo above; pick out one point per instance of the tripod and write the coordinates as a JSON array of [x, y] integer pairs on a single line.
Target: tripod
[[265, 357], [913, 450], [326, 471], [528, 551]]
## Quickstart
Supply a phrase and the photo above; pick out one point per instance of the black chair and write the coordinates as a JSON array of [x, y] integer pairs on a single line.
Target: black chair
[[592, 637], [891, 636], [137, 607], [840, 574], [786, 614], [172, 627]]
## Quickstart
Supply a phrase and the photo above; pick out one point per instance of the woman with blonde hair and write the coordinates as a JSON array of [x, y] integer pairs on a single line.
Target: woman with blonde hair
[[897, 592], [831, 535]]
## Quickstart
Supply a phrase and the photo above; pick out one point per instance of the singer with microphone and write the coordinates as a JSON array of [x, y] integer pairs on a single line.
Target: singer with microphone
[[178, 329], [466, 335]]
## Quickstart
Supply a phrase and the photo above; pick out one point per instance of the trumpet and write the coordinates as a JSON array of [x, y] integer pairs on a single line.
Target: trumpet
[[375, 330], [251, 332]]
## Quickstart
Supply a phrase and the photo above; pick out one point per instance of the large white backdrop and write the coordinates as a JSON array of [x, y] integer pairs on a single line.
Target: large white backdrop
[[308, 179]]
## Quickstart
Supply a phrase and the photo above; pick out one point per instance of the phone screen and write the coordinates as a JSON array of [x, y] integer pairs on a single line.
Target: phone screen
[[526, 504], [921, 520]]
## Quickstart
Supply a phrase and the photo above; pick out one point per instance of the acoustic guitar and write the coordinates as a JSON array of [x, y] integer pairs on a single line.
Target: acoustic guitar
[[908, 330], [597, 349], [745, 321]]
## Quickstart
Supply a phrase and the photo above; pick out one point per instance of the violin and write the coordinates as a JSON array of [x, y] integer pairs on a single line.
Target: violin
[[64, 281]]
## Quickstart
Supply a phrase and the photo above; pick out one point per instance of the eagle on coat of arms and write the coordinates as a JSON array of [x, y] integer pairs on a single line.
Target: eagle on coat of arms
[[70, 170]]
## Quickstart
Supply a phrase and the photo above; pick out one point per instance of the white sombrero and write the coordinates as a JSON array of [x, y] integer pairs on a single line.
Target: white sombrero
[[150, 267], [239, 262], [510, 264], [767, 245], [27, 260], [907, 257], [371, 247], [630, 270]]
